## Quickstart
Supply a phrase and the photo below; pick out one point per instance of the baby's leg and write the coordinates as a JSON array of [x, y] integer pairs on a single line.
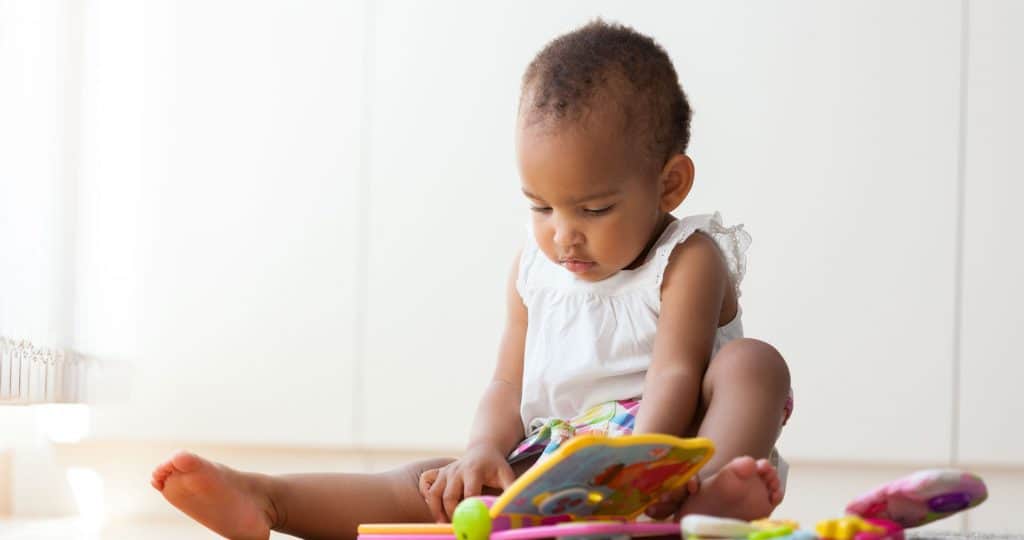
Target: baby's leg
[[248, 505], [743, 396]]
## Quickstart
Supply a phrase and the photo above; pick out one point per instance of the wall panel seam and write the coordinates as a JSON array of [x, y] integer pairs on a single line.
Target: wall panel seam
[[958, 277]]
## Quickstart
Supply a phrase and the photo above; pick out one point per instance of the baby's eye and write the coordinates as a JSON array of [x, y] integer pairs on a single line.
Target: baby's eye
[[540, 209], [598, 211]]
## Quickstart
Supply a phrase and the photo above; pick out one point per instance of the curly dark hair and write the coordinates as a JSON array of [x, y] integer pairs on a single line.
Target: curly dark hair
[[606, 64]]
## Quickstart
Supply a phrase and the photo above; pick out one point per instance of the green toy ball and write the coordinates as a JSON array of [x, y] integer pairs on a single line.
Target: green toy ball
[[472, 520]]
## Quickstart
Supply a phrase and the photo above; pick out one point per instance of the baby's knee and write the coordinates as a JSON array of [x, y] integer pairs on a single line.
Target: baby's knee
[[753, 360], [408, 475]]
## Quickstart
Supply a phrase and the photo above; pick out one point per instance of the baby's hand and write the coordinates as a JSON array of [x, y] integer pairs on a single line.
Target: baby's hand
[[444, 488], [669, 503]]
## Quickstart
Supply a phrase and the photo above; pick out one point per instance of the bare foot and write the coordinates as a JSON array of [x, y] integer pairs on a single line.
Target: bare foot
[[229, 502], [743, 489]]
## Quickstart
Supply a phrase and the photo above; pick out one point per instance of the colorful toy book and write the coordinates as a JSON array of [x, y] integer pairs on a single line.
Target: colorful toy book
[[591, 486]]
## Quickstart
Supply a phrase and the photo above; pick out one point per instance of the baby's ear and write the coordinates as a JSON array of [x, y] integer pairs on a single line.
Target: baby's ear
[[676, 180]]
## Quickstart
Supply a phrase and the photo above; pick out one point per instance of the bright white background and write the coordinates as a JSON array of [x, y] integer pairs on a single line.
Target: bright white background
[[288, 224]]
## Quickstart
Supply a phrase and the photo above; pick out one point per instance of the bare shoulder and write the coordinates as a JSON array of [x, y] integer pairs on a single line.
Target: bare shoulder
[[697, 264]]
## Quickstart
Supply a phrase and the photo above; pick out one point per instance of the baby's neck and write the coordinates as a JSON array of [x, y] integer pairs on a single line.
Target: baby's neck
[[663, 222]]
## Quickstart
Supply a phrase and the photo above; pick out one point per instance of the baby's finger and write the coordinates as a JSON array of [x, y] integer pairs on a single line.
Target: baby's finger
[[434, 495], [662, 510], [688, 490], [506, 475], [675, 496], [426, 480], [472, 485], [452, 495], [668, 503]]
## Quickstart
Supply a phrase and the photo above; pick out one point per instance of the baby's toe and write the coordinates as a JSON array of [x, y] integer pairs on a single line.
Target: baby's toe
[[767, 470], [186, 462], [776, 497], [743, 466], [162, 472]]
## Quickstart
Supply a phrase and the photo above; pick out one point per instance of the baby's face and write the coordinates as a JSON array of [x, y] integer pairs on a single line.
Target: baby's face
[[594, 209]]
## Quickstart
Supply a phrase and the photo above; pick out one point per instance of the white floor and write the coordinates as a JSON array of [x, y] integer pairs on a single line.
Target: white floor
[[66, 529], [73, 529]]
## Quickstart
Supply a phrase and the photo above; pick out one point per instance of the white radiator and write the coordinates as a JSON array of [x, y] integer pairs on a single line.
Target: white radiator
[[32, 374]]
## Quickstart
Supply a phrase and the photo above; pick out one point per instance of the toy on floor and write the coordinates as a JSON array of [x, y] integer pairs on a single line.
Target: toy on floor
[[595, 487], [858, 528], [880, 514], [921, 498], [698, 526], [592, 486]]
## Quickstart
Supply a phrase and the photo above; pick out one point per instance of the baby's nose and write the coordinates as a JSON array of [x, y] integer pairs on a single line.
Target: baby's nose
[[567, 235]]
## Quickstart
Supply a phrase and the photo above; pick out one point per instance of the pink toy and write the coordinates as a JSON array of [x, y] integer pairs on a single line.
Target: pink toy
[[921, 498]]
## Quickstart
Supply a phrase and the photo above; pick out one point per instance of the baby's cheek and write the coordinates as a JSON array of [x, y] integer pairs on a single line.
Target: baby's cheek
[[624, 249], [546, 245]]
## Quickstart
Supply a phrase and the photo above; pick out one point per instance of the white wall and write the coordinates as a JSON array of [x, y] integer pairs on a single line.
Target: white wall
[[232, 209], [38, 151], [294, 221]]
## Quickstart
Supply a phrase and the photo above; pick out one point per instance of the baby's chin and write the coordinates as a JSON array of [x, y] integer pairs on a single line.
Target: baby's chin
[[596, 274]]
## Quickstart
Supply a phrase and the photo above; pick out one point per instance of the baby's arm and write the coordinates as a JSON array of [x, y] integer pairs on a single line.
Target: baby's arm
[[692, 292], [496, 428], [497, 421], [744, 391]]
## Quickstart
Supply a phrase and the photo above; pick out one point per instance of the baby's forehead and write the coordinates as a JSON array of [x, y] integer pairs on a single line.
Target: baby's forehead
[[602, 132], [577, 160]]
